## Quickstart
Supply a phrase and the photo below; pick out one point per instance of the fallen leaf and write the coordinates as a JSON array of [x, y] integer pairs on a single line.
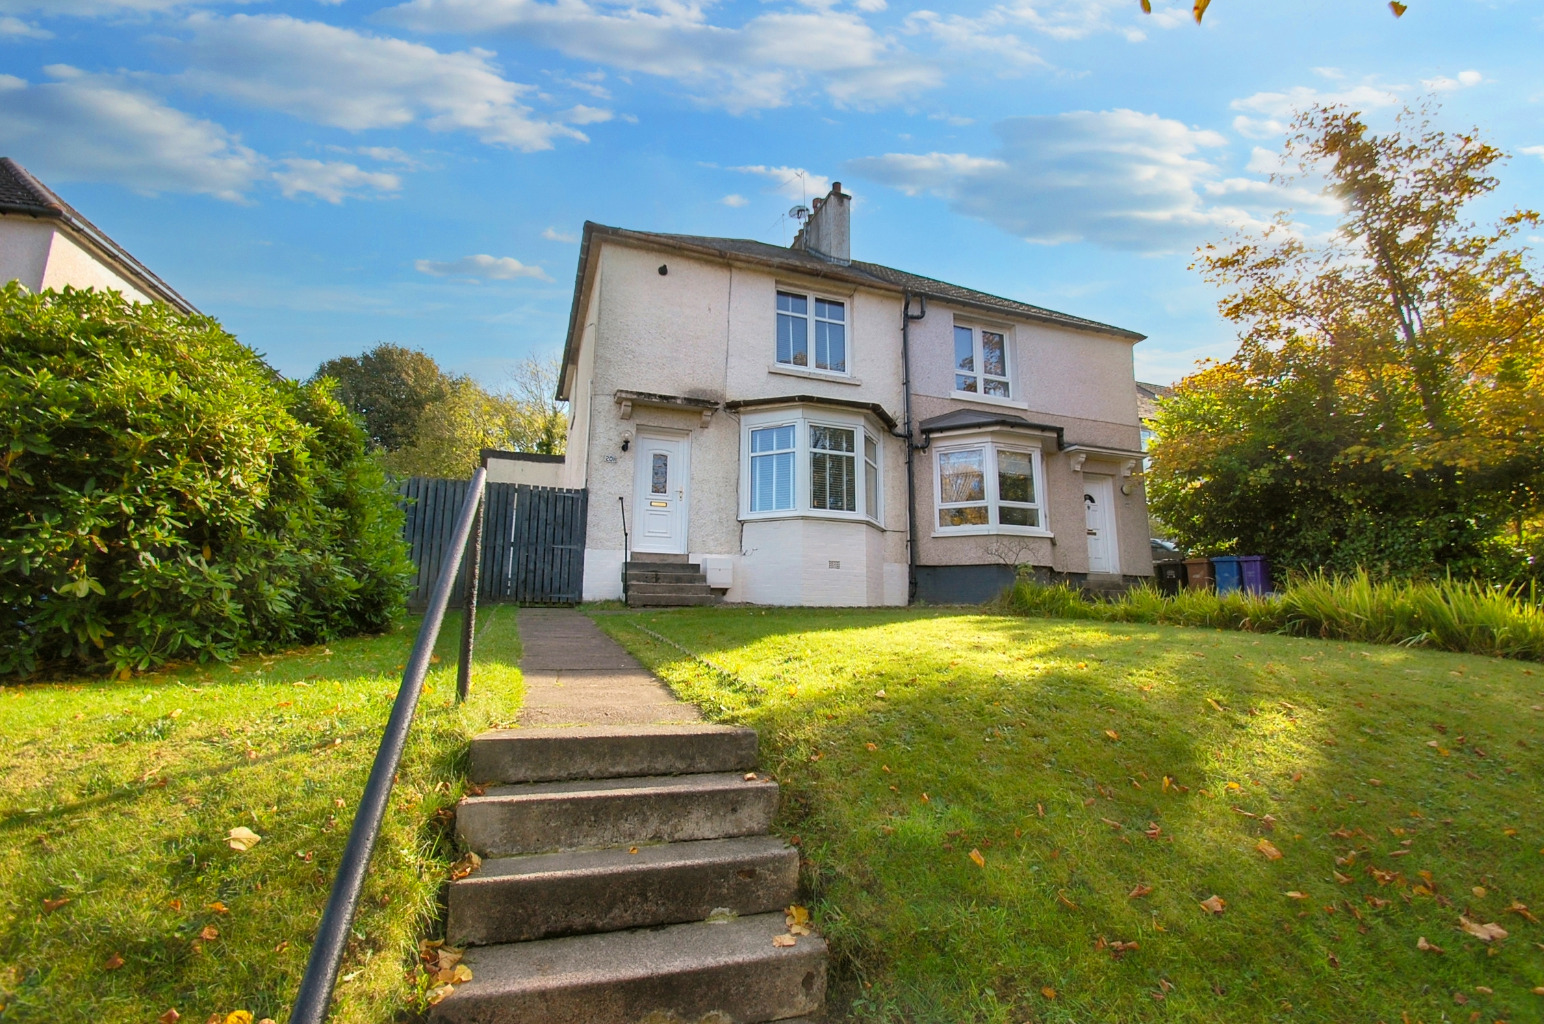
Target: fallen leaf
[[796, 917], [1521, 910], [1294, 894], [49, 906], [980, 861], [241, 839], [1381, 877], [461, 974], [1268, 849], [170, 1017], [1268, 822], [1483, 932], [1426, 947], [1484, 990], [465, 866], [113, 963], [632, 849], [1460, 998], [439, 992], [209, 933], [1214, 904], [1479, 892], [239, 1017], [1048, 992], [750, 776], [1138, 892], [784, 940], [1062, 898], [219, 908], [1112, 734], [872, 746], [1117, 826], [1342, 879]]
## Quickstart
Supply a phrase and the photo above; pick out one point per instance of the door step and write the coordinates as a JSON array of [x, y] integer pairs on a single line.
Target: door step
[[604, 752], [682, 972], [653, 584]]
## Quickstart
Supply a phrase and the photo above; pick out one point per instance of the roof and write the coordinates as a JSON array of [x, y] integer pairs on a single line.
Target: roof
[[1148, 397], [23, 194], [872, 275], [878, 411], [973, 419]]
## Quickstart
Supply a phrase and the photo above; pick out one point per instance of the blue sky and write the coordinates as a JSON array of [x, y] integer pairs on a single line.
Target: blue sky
[[322, 175]]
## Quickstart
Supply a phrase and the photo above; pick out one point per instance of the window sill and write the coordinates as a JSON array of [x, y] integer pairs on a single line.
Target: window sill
[[829, 517], [983, 531], [795, 371], [970, 396]]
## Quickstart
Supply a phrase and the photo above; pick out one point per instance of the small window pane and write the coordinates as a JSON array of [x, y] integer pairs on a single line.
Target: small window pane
[[974, 515], [660, 473], [964, 350], [830, 347], [830, 310], [870, 477], [962, 476], [1015, 477], [833, 439], [1010, 516], [994, 387], [962, 383], [787, 302], [994, 354], [833, 476], [771, 439]]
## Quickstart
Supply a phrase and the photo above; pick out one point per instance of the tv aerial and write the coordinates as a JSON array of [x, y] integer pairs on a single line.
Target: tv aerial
[[800, 213]]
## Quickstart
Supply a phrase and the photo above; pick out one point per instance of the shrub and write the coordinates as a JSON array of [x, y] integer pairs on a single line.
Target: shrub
[[165, 494], [1455, 615]]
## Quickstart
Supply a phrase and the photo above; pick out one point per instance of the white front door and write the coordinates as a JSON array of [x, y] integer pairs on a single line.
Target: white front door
[[659, 495], [1099, 504]]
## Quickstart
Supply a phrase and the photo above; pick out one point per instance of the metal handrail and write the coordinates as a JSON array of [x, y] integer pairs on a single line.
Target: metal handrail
[[626, 548], [315, 995]]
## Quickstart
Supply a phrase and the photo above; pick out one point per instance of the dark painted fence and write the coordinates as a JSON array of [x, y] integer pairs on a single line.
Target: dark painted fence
[[533, 540]]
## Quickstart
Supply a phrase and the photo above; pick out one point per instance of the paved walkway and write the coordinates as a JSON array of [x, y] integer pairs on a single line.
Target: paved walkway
[[577, 675]]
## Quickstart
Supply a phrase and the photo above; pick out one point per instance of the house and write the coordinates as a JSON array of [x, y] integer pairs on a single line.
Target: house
[[45, 243], [1148, 398], [811, 429]]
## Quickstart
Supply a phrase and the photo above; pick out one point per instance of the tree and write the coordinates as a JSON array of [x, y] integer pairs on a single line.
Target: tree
[[543, 420], [388, 387], [164, 494], [1385, 406]]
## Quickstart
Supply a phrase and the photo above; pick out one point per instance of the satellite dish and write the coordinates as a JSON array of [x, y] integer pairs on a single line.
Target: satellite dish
[[800, 213]]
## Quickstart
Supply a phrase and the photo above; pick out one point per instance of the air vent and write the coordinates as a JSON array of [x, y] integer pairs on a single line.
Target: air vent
[[833, 564]]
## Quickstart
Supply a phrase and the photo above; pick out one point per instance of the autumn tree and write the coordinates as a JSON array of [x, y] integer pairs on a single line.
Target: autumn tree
[[388, 388], [1385, 406]]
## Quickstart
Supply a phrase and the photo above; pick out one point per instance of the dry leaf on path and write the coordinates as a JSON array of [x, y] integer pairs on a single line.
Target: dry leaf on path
[[797, 919], [1266, 847], [784, 941], [1214, 904], [465, 866], [980, 861], [1483, 932], [241, 839]]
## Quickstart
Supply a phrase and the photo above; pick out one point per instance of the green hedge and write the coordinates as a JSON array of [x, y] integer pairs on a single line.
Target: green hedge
[[165, 494], [1463, 616]]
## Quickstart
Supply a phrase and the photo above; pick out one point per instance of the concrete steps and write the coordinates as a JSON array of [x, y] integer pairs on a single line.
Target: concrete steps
[[655, 830], [667, 584]]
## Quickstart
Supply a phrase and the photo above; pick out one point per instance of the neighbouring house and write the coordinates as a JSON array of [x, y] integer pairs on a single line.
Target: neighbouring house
[[45, 243], [811, 429], [1148, 398]]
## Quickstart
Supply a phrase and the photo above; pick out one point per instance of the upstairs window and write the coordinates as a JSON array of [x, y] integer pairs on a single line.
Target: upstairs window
[[981, 362], [806, 321]]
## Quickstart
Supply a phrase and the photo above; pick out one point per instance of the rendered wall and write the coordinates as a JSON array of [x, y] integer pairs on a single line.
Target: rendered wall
[[39, 255], [24, 243]]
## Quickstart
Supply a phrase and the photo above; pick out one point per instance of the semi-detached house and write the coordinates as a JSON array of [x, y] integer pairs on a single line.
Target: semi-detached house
[[812, 429]]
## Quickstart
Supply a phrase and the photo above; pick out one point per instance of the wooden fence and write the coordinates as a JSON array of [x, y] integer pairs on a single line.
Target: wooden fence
[[533, 540]]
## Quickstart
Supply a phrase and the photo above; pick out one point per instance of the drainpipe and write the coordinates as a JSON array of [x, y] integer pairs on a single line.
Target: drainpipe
[[912, 448]]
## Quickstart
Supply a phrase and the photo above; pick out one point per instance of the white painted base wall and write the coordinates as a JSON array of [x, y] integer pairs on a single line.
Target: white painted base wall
[[786, 562]]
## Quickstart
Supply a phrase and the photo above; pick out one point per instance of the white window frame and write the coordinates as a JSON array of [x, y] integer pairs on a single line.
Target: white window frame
[[811, 318], [990, 447], [979, 361], [752, 456], [802, 418]]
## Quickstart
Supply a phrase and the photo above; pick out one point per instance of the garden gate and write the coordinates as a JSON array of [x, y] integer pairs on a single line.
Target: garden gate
[[533, 540]]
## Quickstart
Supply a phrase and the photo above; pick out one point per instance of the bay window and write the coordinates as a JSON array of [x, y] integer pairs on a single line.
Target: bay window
[[813, 462], [981, 362], [985, 487], [805, 321]]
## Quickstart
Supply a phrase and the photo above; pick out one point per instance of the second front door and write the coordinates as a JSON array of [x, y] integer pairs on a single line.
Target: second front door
[[659, 495], [1098, 504]]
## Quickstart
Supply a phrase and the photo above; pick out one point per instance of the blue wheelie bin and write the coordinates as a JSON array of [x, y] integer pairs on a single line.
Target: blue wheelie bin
[[1228, 572]]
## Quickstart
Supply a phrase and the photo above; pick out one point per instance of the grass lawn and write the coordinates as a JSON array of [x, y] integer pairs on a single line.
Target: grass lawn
[[119, 896], [1113, 777]]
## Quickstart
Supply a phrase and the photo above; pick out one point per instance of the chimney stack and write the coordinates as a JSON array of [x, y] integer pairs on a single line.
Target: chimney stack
[[828, 233]]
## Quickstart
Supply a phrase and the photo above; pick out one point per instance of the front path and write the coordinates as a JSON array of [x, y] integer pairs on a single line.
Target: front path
[[577, 675]]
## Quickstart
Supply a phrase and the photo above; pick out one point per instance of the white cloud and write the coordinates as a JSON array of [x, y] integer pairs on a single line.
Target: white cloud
[[1273, 111], [735, 199], [1118, 178], [1537, 151], [97, 8], [15, 28], [761, 63], [870, 6], [1442, 83], [82, 127], [581, 114], [347, 79], [554, 235], [984, 35], [493, 268], [793, 183], [332, 181]]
